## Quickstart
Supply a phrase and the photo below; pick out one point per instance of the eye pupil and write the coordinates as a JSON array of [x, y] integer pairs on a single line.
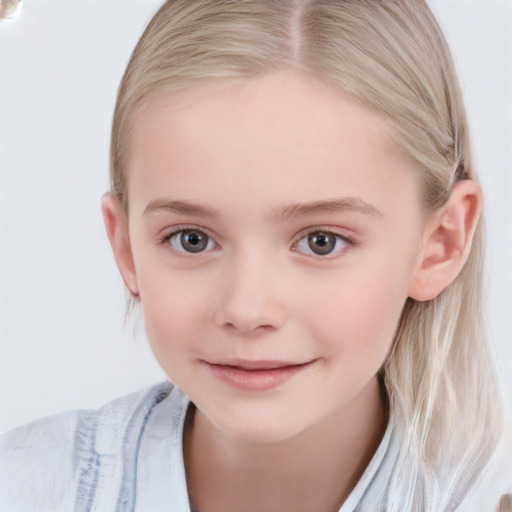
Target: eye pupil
[[321, 243], [193, 241]]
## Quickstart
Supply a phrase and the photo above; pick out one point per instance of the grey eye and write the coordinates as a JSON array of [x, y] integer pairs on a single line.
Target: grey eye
[[321, 243], [191, 241]]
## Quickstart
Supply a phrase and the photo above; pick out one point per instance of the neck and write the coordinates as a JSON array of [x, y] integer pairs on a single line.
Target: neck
[[315, 470]]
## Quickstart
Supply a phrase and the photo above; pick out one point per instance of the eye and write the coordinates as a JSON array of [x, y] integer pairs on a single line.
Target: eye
[[322, 243], [190, 241]]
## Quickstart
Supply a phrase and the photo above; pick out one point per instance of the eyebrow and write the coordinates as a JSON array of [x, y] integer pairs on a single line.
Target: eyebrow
[[341, 204], [281, 214], [180, 207]]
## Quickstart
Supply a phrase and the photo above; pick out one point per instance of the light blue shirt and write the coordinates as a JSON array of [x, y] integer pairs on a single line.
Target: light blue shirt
[[128, 457]]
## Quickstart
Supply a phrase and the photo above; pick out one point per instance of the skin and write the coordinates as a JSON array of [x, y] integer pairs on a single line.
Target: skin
[[251, 164]]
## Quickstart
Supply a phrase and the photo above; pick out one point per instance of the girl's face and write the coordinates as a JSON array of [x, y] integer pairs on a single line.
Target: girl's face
[[275, 230]]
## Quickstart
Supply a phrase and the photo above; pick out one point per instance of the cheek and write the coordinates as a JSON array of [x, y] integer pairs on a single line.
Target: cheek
[[171, 310], [358, 313]]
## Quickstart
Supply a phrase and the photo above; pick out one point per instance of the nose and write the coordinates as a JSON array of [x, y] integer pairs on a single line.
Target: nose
[[250, 299]]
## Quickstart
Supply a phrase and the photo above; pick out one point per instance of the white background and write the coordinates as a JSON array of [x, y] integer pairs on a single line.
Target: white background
[[62, 341]]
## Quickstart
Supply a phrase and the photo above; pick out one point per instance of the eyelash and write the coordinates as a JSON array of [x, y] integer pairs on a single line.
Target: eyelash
[[345, 239], [167, 238], [304, 235]]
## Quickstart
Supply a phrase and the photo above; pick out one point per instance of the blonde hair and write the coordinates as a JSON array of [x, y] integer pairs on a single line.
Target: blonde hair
[[442, 378]]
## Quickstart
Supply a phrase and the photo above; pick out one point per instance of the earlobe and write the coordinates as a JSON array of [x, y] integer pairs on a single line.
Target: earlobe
[[448, 236], [116, 225]]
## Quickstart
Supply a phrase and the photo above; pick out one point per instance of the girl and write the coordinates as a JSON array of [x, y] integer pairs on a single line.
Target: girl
[[294, 207]]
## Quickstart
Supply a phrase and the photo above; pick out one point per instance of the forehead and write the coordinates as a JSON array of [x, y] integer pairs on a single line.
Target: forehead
[[286, 97], [273, 132]]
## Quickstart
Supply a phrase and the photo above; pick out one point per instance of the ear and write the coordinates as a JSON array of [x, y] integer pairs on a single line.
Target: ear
[[116, 224], [448, 235]]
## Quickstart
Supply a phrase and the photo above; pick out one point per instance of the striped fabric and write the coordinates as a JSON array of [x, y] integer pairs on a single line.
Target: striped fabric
[[127, 457]]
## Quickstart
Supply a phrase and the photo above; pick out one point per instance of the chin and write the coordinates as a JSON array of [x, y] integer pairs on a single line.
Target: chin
[[259, 428]]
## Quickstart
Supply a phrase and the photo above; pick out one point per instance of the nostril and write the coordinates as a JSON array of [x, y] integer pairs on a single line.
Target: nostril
[[249, 312], [254, 328]]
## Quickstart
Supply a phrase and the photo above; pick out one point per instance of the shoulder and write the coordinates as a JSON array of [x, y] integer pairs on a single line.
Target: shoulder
[[47, 464], [493, 487], [30, 456]]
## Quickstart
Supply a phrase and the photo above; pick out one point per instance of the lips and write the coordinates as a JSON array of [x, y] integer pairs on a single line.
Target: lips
[[256, 365], [255, 375]]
